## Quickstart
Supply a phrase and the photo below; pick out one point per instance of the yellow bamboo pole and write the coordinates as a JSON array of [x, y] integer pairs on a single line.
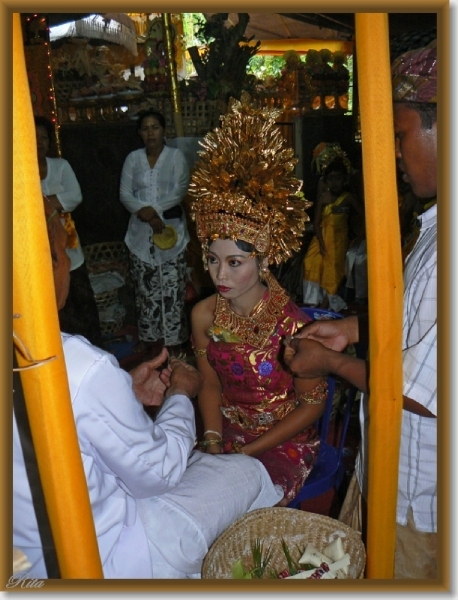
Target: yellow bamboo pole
[[46, 387], [172, 69], [385, 289]]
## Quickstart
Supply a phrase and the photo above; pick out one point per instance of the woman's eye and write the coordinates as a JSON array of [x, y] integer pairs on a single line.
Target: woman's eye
[[234, 263], [211, 260]]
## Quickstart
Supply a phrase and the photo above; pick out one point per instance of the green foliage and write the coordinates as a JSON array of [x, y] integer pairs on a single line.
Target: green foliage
[[222, 59], [266, 66], [261, 559], [293, 565]]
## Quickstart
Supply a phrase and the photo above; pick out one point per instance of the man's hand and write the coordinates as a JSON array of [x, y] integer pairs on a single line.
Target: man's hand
[[335, 334], [306, 358], [309, 359], [149, 385], [184, 379]]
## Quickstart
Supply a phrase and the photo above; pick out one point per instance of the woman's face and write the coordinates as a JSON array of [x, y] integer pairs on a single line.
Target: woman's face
[[233, 271], [335, 181], [152, 133], [42, 141]]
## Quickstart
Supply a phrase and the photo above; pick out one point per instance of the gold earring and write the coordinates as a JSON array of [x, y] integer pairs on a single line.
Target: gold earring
[[263, 271]]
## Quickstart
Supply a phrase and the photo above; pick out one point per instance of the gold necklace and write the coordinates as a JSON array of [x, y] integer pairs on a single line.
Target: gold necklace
[[257, 328]]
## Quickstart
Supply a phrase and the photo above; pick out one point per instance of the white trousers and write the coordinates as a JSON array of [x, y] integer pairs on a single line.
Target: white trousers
[[214, 491]]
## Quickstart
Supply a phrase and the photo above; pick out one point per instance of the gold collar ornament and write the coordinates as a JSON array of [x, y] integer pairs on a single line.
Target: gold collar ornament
[[258, 327], [244, 185]]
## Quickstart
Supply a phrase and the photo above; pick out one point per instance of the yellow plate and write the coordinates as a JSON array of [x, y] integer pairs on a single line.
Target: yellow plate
[[167, 239]]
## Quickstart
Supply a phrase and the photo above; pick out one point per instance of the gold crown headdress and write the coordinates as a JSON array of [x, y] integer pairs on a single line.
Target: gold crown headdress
[[325, 153], [244, 187]]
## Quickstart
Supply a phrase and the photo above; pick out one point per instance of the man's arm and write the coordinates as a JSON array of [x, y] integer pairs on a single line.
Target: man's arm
[[308, 358], [335, 334]]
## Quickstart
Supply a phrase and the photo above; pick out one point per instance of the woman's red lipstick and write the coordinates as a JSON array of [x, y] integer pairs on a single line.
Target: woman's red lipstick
[[223, 289]]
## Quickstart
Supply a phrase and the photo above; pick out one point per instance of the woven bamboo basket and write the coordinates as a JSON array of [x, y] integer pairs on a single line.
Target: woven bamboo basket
[[107, 256], [112, 325], [270, 525], [106, 299]]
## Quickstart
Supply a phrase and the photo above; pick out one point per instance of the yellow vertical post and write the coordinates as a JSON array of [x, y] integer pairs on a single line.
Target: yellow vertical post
[[385, 289], [46, 388]]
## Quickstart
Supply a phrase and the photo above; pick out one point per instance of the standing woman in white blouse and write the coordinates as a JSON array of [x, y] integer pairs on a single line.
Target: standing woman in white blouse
[[60, 186], [154, 181]]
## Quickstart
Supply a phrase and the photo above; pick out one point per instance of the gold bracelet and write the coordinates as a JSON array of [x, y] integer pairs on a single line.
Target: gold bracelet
[[199, 351], [210, 442], [315, 395], [237, 447]]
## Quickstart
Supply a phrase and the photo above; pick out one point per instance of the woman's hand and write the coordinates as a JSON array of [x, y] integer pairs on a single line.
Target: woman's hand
[[156, 224], [146, 213], [214, 449], [184, 379]]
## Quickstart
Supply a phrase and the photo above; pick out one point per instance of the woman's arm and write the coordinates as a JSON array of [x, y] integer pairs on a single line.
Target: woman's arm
[[297, 420], [126, 188], [209, 398]]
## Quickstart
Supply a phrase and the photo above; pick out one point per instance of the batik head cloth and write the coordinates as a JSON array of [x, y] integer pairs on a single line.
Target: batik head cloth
[[414, 75]]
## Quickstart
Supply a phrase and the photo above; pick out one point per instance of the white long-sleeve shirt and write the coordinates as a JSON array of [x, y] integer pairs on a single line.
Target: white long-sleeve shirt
[[162, 187], [61, 180], [126, 456], [157, 504]]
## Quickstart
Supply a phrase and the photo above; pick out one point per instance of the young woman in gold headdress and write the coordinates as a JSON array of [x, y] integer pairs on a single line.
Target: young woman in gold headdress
[[250, 213]]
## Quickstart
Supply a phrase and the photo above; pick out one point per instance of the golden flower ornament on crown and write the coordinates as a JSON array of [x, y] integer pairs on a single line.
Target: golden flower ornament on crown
[[244, 186]]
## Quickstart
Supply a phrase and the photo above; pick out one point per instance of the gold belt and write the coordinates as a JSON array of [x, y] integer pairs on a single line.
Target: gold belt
[[260, 421]]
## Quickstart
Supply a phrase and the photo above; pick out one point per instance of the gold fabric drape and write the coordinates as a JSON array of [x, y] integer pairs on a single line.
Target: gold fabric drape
[[46, 388], [385, 289], [172, 70]]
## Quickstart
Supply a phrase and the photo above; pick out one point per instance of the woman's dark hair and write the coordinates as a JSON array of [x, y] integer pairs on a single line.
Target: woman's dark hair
[[336, 166], [150, 112], [242, 245], [46, 124], [245, 246]]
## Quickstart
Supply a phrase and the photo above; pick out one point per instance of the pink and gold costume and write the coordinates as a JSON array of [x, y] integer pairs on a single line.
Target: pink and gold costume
[[257, 391]]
